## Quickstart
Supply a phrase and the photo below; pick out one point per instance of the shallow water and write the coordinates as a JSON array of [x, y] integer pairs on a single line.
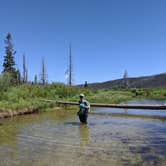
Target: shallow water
[[139, 112], [57, 138]]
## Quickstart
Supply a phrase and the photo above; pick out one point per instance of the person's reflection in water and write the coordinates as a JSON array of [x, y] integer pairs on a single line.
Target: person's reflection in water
[[84, 136]]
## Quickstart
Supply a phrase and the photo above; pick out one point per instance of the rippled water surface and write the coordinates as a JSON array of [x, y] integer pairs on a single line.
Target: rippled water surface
[[57, 138]]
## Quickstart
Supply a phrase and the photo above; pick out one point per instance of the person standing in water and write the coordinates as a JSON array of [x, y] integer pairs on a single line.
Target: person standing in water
[[84, 108]]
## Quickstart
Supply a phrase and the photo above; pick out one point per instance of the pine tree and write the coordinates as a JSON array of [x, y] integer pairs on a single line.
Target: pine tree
[[86, 84], [9, 63]]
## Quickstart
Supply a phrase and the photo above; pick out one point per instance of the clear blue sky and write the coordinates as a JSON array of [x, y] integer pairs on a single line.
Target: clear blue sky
[[107, 36]]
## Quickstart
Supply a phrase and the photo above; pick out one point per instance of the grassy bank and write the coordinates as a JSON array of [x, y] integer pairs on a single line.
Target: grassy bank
[[28, 96]]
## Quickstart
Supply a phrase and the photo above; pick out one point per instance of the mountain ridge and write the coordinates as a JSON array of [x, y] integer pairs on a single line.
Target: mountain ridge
[[152, 81]]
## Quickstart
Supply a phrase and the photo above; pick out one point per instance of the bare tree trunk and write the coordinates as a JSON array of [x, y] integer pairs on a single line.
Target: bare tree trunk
[[35, 79], [70, 68], [43, 73], [25, 71]]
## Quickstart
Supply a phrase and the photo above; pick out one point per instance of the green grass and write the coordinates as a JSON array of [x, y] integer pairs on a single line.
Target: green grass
[[23, 96]]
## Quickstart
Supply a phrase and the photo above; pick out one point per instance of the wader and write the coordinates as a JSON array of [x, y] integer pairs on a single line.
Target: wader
[[83, 116], [83, 112]]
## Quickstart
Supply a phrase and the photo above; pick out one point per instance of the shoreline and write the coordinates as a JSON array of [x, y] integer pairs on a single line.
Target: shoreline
[[11, 113]]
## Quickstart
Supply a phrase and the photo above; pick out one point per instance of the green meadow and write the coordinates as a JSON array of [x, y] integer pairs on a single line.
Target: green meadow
[[25, 96]]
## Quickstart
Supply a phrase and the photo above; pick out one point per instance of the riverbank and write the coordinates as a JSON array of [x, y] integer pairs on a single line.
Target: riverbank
[[25, 99], [11, 113]]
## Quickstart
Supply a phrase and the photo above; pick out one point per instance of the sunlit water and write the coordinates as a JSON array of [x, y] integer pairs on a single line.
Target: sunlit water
[[139, 112], [57, 138]]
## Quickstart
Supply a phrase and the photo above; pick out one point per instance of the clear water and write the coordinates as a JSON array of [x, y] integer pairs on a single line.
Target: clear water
[[138, 112], [57, 138]]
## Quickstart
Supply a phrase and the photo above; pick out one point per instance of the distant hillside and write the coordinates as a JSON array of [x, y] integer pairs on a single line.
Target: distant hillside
[[154, 81]]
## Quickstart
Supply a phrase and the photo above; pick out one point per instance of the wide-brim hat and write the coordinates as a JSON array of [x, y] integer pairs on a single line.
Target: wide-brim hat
[[82, 95]]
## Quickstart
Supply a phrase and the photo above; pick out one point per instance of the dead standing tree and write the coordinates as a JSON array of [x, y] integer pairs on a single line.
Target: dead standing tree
[[25, 71], [35, 79], [69, 71], [43, 73]]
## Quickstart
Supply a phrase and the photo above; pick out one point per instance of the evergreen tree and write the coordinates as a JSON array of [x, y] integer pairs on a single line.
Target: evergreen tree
[[9, 63], [86, 84], [125, 79]]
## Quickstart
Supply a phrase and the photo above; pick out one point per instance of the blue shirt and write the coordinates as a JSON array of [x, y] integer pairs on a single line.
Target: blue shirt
[[84, 105]]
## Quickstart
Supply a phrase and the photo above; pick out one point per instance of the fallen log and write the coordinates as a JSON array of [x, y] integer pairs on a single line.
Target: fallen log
[[124, 106]]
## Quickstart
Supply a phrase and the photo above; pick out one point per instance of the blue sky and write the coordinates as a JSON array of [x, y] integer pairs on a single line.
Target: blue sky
[[107, 36]]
